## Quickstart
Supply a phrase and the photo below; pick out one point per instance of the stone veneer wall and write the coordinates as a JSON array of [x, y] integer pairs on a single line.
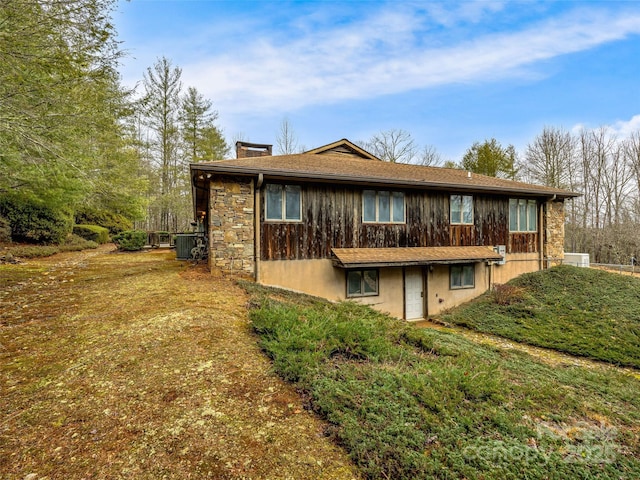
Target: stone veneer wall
[[554, 232], [231, 225]]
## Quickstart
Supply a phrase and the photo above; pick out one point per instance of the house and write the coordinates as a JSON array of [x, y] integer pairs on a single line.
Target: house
[[339, 223]]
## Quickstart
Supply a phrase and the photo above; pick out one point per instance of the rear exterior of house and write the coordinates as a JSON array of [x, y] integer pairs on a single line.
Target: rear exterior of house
[[338, 223]]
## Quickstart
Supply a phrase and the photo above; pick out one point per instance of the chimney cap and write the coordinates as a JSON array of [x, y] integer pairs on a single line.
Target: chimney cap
[[246, 149]]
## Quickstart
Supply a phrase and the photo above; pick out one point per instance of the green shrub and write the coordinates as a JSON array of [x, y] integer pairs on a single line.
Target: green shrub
[[74, 243], [33, 251], [32, 222], [130, 240], [114, 222], [94, 233], [5, 230]]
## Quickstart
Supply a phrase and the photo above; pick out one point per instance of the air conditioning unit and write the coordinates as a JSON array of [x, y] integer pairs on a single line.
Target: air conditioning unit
[[502, 250]]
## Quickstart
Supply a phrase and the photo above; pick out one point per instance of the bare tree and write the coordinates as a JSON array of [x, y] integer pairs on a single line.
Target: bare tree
[[548, 158], [430, 157], [286, 141], [632, 156], [616, 181], [395, 146]]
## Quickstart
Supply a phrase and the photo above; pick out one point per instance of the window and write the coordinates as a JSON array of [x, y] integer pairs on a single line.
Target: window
[[462, 276], [283, 202], [523, 216], [382, 207], [461, 209], [362, 283]]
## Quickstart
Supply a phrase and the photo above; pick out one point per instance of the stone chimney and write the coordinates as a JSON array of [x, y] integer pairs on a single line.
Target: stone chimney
[[248, 150]]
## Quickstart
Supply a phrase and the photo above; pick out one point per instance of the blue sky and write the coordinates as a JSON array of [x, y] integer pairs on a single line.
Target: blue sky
[[449, 73]]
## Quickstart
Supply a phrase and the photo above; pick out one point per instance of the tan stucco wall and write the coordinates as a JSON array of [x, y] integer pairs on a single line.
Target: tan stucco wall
[[517, 264], [315, 277], [322, 279], [441, 297]]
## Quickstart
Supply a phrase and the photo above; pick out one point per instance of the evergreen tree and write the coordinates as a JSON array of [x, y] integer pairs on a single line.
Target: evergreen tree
[[490, 158]]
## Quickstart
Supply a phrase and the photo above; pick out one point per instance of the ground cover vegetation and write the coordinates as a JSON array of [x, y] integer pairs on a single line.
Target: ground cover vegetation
[[582, 311], [411, 403]]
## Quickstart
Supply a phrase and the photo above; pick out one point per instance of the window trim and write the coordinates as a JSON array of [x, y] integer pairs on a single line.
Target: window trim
[[462, 211], [362, 292], [391, 193], [283, 203], [519, 223], [462, 285]]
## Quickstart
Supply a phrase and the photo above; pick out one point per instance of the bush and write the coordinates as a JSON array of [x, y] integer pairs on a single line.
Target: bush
[[95, 233], [74, 243], [114, 222], [507, 294], [33, 222], [5, 230], [33, 251], [130, 240]]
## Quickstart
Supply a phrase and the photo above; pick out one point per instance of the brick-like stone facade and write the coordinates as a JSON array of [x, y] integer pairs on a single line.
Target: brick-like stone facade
[[554, 232], [231, 225]]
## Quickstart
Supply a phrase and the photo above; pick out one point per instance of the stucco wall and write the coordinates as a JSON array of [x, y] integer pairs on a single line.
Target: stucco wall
[[231, 225], [517, 264], [441, 297], [322, 279]]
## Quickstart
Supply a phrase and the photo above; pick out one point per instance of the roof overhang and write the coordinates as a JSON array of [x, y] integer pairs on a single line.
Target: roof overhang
[[410, 256], [365, 180]]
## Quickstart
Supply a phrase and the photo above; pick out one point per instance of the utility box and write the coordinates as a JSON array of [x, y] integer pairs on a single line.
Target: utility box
[[184, 243], [501, 250], [576, 259]]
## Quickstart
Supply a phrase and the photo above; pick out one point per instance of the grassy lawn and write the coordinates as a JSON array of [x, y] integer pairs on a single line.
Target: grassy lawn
[[580, 311], [412, 403]]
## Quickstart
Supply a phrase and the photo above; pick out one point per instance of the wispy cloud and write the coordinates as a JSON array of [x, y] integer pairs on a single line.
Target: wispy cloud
[[391, 51]]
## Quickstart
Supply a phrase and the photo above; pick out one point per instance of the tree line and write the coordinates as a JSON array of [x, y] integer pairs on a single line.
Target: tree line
[[79, 146], [596, 163]]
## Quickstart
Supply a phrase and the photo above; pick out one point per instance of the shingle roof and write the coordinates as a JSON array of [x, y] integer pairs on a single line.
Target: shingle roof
[[404, 256], [351, 169]]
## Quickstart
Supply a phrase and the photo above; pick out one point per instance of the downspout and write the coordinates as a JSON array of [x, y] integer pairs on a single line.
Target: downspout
[[256, 229]]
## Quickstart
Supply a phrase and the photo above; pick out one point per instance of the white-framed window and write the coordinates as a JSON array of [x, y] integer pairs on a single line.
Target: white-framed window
[[462, 276], [461, 209], [283, 203], [383, 207], [523, 215], [362, 283]]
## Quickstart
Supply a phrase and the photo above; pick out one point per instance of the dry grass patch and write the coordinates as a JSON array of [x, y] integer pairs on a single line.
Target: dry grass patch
[[137, 366]]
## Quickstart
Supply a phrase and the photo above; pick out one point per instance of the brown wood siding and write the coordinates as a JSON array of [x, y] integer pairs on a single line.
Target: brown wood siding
[[523, 243], [332, 218]]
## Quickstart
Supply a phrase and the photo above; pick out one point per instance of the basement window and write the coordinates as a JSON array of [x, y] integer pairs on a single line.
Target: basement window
[[523, 215], [382, 207], [283, 203], [462, 276], [362, 283]]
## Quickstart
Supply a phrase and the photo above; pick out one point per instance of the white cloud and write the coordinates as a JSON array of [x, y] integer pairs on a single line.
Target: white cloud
[[384, 53], [624, 128]]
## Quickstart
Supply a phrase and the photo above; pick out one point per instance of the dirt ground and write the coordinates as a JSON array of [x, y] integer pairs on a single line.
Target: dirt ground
[[138, 366]]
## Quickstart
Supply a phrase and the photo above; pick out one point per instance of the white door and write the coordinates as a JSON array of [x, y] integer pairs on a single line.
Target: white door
[[413, 294]]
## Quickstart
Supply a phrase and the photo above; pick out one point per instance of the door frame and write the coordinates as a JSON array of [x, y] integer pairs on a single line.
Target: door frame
[[421, 269]]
